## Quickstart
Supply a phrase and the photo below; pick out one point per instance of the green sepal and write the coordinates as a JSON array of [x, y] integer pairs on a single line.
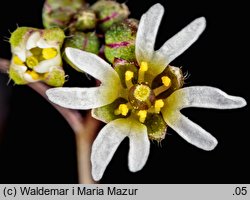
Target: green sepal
[[105, 9], [156, 127], [83, 20], [126, 53], [54, 35], [55, 77], [123, 31], [120, 40], [19, 35], [84, 41], [16, 76], [107, 113], [59, 13]]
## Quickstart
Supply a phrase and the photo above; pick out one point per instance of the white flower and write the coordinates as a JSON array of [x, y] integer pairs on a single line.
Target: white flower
[[145, 105], [36, 56]]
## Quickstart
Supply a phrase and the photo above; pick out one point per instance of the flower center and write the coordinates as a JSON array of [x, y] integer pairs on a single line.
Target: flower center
[[142, 92], [141, 98], [36, 56]]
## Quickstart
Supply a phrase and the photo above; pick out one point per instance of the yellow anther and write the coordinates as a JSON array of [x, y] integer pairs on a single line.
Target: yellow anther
[[122, 110], [33, 74], [49, 53], [166, 81], [17, 60], [129, 75], [32, 61], [142, 115], [144, 66], [158, 105]]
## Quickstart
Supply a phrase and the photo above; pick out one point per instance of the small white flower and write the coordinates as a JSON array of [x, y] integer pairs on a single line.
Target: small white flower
[[36, 56], [144, 104]]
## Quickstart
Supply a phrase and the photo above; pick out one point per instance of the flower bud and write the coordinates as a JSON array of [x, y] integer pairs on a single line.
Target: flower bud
[[35, 53], [83, 20], [109, 12], [58, 13], [84, 41], [120, 41]]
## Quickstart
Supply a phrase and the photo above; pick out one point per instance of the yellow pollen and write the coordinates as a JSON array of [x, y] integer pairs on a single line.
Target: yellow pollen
[[122, 110], [33, 74], [142, 92], [158, 105], [142, 115], [49, 53], [129, 75], [17, 60], [166, 81], [31, 61], [144, 66]]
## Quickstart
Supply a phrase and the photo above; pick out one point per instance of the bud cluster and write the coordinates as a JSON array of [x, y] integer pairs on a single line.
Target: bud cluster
[[102, 28]]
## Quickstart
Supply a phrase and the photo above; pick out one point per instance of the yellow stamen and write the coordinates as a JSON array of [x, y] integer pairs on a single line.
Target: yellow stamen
[[142, 70], [122, 110], [158, 105], [32, 61], [142, 115], [144, 66], [128, 77], [166, 84], [166, 81], [33, 74], [49, 53], [17, 60]]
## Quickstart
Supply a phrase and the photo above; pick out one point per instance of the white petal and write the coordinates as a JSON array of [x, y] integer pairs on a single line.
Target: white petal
[[197, 96], [32, 41], [190, 131], [21, 53], [108, 141], [29, 78], [82, 98], [45, 65], [177, 45], [206, 97], [147, 31], [41, 43], [139, 147], [93, 65]]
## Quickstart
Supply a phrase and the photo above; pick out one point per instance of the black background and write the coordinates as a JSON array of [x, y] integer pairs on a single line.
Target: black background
[[37, 145]]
